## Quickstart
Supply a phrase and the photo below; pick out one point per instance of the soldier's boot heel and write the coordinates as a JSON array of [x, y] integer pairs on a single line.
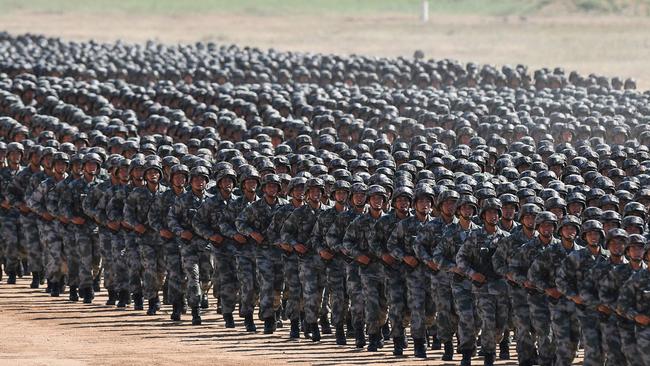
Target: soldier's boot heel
[[165, 292], [88, 295], [96, 286], [278, 319], [11, 278], [504, 349], [138, 302], [229, 320], [295, 329], [73, 295], [359, 336], [204, 302], [48, 288], [36, 280], [112, 297], [467, 358], [373, 342], [419, 348], [152, 307], [489, 359], [385, 331], [325, 325], [123, 299], [315, 332], [340, 335], [219, 307], [449, 351], [435, 342], [398, 346], [249, 323], [176, 312], [55, 290], [269, 325], [196, 316]]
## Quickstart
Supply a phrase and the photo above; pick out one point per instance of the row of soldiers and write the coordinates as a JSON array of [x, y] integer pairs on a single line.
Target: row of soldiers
[[375, 257]]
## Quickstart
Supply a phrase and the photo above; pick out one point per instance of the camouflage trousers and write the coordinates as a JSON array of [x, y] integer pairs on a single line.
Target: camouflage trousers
[[247, 276], [270, 272], [29, 226], [293, 286], [629, 342], [134, 262], [175, 274], [446, 316], [591, 337], [398, 312], [226, 266], [44, 256], [524, 328], [566, 331], [88, 250], [643, 343], [540, 317], [153, 265], [468, 320], [612, 346], [355, 292], [105, 245], [70, 252], [420, 300], [119, 261], [55, 264], [374, 294], [10, 233], [195, 255], [336, 278], [493, 311], [313, 279]]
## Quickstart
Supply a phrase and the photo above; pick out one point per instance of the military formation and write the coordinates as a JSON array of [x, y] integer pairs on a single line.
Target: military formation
[[412, 203]]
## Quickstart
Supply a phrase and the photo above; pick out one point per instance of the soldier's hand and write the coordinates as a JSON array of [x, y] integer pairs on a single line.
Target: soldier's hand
[[528, 284], [23, 208], [64, 219], [577, 299], [411, 261], [78, 220], [216, 238], [257, 237], [187, 235], [126, 225], [642, 319], [388, 259], [604, 309], [166, 234], [5, 204], [140, 228], [456, 270], [511, 277], [300, 248], [434, 267], [114, 225], [286, 247], [47, 217], [478, 277], [363, 259], [239, 238], [326, 254], [553, 292]]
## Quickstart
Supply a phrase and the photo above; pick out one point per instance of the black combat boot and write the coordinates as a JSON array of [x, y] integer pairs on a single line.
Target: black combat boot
[[398, 346], [435, 342], [349, 326], [11, 278], [54, 289], [325, 324], [419, 348], [278, 319], [88, 295], [204, 302], [284, 309], [449, 351], [373, 342], [229, 320], [385, 331], [359, 336], [219, 307], [196, 316], [112, 297], [123, 299], [165, 292], [504, 348], [96, 286], [489, 359], [467, 358], [315, 332], [152, 306], [340, 335], [249, 323], [48, 288], [176, 311], [295, 329], [138, 302], [73, 296], [269, 325]]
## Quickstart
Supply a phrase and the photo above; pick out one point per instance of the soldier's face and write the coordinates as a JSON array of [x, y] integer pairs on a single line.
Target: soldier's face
[[448, 207], [491, 217], [137, 173], [528, 221], [423, 206], [509, 212], [298, 193], [226, 184], [376, 202], [60, 167], [575, 208], [14, 157], [91, 168], [179, 180], [315, 194], [402, 204], [123, 174], [46, 162], [271, 190], [466, 211], [569, 232], [153, 176], [608, 225], [592, 238], [250, 185], [633, 229], [198, 184], [340, 196], [358, 199], [546, 229], [635, 253], [615, 247]]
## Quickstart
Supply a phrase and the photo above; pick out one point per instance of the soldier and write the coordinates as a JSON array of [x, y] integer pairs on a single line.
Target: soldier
[[136, 211], [444, 255], [425, 244], [245, 250], [38, 248], [394, 274], [401, 246], [572, 274], [474, 258], [542, 274], [84, 227], [334, 263], [340, 281], [9, 213], [634, 304], [546, 224], [253, 222], [356, 245], [158, 220], [526, 351]]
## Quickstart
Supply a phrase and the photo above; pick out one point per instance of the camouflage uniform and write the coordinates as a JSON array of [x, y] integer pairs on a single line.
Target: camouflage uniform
[[17, 193], [633, 300], [491, 296], [257, 217], [70, 247], [97, 210], [572, 273], [518, 295], [444, 255], [10, 224], [418, 281], [540, 316], [38, 250], [113, 201], [373, 302], [564, 321]]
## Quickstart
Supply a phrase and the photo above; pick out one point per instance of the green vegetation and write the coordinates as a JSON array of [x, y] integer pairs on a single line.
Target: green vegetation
[[351, 7]]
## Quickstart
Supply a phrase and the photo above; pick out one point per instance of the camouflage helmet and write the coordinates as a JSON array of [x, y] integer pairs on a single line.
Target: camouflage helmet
[[446, 196], [636, 209], [570, 220], [403, 191], [633, 221], [359, 188], [424, 191], [341, 185], [248, 172], [136, 163], [611, 215], [467, 199], [315, 183], [271, 178], [616, 234], [509, 199], [529, 209], [92, 157], [296, 182], [179, 169], [592, 225], [200, 171], [61, 156], [153, 164], [555, 202], [635, 240], [546, 216], [226, 173], [379, 190], [491, 204]]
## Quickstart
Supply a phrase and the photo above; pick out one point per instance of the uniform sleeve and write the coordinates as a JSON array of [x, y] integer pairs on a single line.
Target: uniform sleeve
[[227, 225], [394, 243], [627, 299], [608, 289], [463, 257], [538, 272], [566, 276], [130, 206], [441, 253], [174, 217], [377, 239], [335, 234], [65, 203], [289, 231], [155, 216], [423, 241], [202, 220], [500, 257], [244, 221], [352, 238], [519, 263], [36, 201]]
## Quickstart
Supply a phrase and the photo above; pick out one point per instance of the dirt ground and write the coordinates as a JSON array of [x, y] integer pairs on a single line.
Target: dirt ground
[[612, 45], [40, 330]]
